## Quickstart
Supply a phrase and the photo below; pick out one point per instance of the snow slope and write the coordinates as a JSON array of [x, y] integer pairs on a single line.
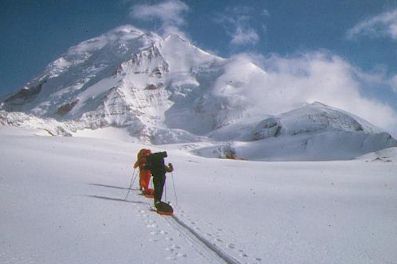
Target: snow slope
[[312, 132], [61, 201]]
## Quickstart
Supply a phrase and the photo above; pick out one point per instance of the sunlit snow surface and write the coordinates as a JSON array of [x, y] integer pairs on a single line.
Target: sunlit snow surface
[[61, 201]]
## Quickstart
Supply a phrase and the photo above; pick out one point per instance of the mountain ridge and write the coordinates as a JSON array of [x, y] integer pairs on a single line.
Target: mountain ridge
[[166, 90]]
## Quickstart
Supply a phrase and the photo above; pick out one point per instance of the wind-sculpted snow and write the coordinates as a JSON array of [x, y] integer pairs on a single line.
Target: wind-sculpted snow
[[167, 90]]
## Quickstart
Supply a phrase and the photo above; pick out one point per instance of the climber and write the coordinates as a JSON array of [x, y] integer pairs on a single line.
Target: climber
[[144, 174], [155, 163]]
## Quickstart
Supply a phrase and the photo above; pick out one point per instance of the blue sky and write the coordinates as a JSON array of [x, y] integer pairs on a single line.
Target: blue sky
[[359, 34]]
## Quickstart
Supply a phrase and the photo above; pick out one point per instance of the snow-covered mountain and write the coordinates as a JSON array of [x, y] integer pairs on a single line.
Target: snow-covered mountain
[[312, 132], [166, 90], [127, 78]]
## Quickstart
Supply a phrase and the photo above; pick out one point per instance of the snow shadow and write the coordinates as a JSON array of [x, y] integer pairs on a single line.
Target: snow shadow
[[111, 186], [114, 199]]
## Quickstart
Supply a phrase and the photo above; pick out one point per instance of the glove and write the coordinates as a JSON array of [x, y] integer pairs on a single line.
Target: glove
[[170, 167]]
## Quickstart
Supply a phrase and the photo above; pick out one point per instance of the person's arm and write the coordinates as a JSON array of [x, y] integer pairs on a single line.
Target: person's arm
[[169, 168]]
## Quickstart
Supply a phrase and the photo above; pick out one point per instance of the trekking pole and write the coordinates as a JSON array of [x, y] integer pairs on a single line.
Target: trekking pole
[[165, 191], [173, 185], [131, 183]]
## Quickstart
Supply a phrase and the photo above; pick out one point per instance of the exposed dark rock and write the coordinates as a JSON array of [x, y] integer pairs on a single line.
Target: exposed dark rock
[[64, 109], [269, 127], [156, 72], [151, 87], [23, 96]]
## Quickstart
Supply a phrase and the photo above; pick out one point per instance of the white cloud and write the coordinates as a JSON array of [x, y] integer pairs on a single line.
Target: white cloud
[[317, 76], [266, 13], [244, 36], [330, 79], [384, 24], [170, 13], [237, 22], [393, 83]]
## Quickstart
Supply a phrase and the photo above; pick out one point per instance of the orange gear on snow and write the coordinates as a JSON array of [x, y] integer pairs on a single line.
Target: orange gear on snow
[[144, 174]]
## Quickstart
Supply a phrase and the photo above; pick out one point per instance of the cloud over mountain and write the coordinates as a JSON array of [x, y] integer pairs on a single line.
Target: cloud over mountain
[[170, 13], [237, 22], [382, 25]]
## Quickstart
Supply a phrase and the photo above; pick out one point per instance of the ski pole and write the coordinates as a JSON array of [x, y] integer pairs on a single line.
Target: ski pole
[[165, 191], [173, 185], [131, 183]]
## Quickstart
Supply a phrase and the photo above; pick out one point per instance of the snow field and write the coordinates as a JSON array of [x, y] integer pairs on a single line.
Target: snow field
[[61, 201], [324, 212]]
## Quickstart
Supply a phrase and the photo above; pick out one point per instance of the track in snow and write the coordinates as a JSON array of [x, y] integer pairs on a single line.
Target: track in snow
[[212, 251], [199, 240]]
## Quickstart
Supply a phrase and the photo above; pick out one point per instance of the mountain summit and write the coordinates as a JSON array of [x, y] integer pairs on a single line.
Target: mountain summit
[[166, 90], [125, 78]]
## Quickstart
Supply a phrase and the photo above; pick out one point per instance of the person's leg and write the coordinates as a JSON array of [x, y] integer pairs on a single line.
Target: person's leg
[[156, 185], [141, 180], [145, 176], [158, 182]]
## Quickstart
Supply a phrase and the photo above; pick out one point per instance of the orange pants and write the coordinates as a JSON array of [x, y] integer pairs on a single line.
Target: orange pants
[[144, 179]]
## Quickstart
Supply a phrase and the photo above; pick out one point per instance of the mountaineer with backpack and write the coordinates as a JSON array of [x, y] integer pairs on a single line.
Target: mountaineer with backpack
[[155, 163], [144, 174]]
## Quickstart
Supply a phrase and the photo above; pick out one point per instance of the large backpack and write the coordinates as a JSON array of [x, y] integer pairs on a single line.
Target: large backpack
[[155, 163]]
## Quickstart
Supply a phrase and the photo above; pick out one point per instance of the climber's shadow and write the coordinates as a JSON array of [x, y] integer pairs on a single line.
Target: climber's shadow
[[114, 199], [111, 186]]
